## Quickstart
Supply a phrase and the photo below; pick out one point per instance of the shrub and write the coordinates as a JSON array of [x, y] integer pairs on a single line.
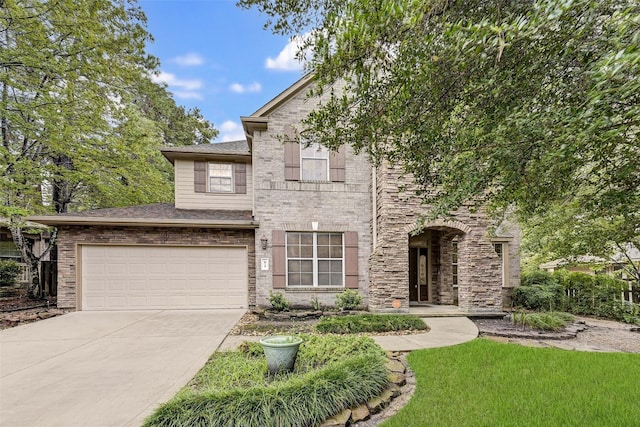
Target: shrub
[[315, 303], [233, 389], [546, 321], [9, 272], [538, 277], [539, 297], [348, 300], [369, 323], [279, 301]]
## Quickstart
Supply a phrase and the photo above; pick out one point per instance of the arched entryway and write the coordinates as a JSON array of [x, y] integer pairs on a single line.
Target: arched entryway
[[434, 270]]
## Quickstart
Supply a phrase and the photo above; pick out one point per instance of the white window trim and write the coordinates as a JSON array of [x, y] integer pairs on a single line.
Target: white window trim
[[209, 190], [315, 260], [504, 259], [316, 146]]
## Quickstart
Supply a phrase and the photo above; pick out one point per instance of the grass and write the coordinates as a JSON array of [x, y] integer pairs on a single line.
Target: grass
[[545, 321], [235, 389], [484, 383], [363, 323]]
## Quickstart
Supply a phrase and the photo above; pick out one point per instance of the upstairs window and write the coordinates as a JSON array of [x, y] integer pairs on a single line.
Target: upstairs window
[[220, 177], [314, 163]]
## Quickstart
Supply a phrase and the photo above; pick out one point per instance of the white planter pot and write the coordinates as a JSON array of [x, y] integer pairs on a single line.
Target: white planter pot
[[281, 352]]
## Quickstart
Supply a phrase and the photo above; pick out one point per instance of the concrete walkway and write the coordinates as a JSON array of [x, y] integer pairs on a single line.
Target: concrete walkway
[[444, 331], [103, 368]]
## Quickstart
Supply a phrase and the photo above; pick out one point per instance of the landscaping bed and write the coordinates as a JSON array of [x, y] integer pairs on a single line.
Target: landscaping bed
[[585, 334], [334, 376], [18, 309], [264, 322]]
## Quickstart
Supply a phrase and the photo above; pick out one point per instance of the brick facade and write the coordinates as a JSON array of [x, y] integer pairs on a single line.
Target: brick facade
[[397, 219], [69, 237], [282, 204]]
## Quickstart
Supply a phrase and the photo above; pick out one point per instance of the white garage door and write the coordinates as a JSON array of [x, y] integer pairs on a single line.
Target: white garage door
[[161, 277]]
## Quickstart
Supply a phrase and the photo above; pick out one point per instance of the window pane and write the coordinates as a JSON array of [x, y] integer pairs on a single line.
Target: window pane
[[306, 266], [293, 238], [314, 169], [336, 279], [324, 279], [306, 252], [220, 169], [306, 238], [293, 251], [323, 251], [336, 252], [306, 279], [293, 279], [336, 239], [294, 266], [336, 266], [323, 239], [324, 266]]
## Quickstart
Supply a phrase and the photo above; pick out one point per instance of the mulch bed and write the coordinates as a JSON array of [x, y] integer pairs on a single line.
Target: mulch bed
[[17, 309]]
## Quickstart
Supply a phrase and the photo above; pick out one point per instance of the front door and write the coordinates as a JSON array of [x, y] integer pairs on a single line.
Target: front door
[[418, 275]]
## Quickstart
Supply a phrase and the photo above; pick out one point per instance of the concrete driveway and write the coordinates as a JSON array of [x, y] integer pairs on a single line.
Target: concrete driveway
[[103, 368]]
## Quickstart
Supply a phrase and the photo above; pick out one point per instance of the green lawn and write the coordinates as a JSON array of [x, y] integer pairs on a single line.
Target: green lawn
[[484, 383]]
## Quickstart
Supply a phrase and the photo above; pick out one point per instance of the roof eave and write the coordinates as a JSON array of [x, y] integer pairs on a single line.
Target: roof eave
[[173, 155], [141, 222]]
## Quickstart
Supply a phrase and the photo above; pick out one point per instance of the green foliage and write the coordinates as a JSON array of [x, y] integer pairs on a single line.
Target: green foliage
[[544, 321], [511, 385], [348, 300], [233, 389], [9, 272], [278, 301], [539, 290], [361, 323], [577, 293], [315, 303], [82, 119], [532, 104]]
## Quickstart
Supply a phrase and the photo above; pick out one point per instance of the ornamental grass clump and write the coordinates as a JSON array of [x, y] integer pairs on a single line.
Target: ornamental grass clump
[[234, 389], [544, 321]]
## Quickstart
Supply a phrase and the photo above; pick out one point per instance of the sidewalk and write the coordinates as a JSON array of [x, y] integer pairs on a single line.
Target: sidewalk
[[444, 331]]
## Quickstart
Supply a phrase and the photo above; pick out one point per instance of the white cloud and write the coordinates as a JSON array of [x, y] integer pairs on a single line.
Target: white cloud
[[231, 131], [286, 59], [191, 59], [185, 94], [254, 87], [173, 81]]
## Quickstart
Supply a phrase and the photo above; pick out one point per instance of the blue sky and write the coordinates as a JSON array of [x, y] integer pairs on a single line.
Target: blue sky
[[217, 57]]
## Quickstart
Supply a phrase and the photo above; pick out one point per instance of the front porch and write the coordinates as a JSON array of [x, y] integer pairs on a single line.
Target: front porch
[[437, 310]]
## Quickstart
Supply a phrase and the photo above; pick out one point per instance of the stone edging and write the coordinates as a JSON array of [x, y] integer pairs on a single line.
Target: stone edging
[[569, 332], [392, 399]]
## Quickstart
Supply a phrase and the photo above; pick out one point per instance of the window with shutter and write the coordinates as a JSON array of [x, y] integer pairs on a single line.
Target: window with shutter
[[315, 259], [219, 177]]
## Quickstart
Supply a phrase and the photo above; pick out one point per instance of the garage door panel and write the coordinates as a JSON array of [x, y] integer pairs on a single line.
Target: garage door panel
[[148, 277]]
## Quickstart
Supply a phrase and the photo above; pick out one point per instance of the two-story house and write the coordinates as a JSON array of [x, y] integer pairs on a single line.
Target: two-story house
[[271, 214]]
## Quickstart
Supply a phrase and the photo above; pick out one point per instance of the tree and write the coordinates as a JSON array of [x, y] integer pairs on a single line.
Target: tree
[[80, 118], [532, 104]]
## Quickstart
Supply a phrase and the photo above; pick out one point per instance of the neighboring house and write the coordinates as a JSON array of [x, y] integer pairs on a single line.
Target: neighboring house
[[615, 266], [266, 214], [37, 237]]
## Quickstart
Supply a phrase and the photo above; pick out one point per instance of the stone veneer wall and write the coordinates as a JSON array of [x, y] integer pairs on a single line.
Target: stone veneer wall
[[479, 274], [294, 206], [71, 236]]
